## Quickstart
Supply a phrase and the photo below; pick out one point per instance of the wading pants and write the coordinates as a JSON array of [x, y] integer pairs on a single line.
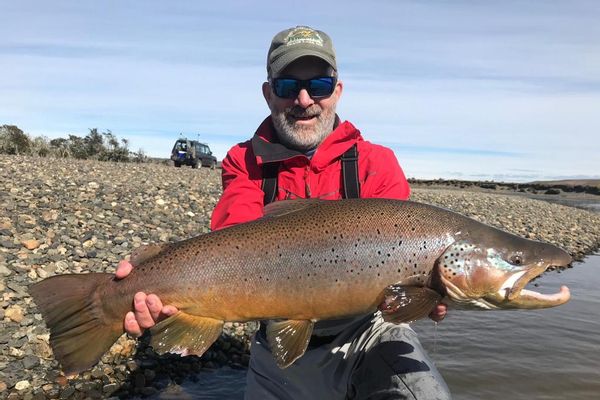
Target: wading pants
[[370, 359]]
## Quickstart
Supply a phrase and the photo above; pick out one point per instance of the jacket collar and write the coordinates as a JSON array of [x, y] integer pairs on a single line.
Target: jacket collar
[[267, 149]]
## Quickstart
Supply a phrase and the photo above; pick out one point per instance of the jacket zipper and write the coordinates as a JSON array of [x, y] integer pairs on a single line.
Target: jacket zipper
[[306, 185]]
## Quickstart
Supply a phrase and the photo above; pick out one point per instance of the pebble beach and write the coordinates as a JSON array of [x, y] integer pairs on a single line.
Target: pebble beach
[[75, 216]]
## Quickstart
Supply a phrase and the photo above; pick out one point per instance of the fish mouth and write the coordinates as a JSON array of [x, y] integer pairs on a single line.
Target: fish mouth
[[516, 296]]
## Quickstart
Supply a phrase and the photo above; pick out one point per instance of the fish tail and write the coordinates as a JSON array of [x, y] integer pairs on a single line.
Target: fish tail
[[80, 330]]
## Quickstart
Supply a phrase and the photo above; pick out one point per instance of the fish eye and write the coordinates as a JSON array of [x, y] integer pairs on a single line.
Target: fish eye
[[516, 259]]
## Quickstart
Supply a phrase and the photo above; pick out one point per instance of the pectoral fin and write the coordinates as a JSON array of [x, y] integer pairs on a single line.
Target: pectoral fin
[[185, 334], [407, 303], [288, 340]]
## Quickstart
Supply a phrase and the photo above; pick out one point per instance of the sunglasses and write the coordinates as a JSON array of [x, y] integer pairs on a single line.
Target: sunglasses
[[317, 88]]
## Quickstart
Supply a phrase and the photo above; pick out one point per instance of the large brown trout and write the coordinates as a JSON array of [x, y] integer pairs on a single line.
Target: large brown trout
[[306, 260]]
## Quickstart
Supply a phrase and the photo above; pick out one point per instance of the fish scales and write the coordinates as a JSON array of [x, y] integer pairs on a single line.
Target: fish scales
[[263, 270], [306, 260]]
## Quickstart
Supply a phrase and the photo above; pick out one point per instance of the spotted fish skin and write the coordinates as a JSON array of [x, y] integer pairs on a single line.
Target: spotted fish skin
[[308, 264], [306, 260]]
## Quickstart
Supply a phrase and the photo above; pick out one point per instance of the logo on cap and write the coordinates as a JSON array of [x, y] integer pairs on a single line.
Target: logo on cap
[[303, 34]]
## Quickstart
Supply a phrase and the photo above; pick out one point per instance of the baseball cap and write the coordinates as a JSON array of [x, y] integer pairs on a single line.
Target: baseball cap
[[293, 43]]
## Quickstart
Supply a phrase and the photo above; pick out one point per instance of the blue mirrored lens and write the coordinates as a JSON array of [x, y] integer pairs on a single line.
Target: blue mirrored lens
[[289, 88], [320, 87], [286, 88]]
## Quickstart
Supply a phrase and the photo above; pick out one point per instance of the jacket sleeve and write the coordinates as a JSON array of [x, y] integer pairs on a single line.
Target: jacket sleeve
[[242, 199], [384, 176]]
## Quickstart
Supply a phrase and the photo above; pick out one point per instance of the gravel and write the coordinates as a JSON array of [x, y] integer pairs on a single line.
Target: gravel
[[70, 216]]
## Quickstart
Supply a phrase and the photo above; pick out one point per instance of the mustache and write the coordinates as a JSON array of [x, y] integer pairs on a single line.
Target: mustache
[[299, 112]]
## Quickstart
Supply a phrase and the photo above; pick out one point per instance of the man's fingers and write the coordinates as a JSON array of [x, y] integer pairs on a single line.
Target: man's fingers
[[167, 311], [439, 312], [141, 311], [123, 269], [131, 325], [155, 306]]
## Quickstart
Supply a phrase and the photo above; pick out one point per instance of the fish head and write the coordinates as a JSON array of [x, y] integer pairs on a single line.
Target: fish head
[[490, 269]]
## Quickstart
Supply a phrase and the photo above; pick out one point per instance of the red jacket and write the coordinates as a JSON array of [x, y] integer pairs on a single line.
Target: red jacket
[[380, 174]]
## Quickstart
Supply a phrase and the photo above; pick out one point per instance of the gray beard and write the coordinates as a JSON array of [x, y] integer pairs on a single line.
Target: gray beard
[[300, 137]]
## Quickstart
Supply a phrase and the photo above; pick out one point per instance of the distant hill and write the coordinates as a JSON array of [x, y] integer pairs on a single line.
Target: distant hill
[[570, 182], [590, 186]]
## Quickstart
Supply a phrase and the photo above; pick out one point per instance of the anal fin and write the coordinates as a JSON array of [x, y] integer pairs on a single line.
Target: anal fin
[[288, 340], [185, 334], [407, 303]]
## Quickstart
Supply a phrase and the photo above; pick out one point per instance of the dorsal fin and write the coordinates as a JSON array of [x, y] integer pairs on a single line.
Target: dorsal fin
[[283, 207], [141, 254]]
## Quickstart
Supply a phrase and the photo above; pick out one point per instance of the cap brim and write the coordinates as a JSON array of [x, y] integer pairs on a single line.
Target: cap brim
[[286, 59]]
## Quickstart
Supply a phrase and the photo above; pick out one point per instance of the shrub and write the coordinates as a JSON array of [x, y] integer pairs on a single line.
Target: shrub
[[104, 146], [40, 146], [13, 140]]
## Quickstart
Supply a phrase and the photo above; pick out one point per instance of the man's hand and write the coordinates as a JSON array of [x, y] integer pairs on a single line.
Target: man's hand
[[439, 312], [148, 309]]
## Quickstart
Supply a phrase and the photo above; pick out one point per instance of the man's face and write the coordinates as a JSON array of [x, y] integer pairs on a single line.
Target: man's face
[[302, 123]]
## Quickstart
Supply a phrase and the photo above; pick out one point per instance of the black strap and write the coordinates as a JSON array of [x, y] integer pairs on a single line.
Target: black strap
[[269, 183], [351, 183]]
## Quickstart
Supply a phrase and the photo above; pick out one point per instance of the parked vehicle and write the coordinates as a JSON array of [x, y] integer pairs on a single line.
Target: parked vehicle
[[192, 153]]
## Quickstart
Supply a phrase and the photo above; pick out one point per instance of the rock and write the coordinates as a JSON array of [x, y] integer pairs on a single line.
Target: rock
[[15, 353], [132, 365], [30, 362], [50, 216], [22, 385], [67, 392], [97, 373], [4, 270], [14, 313], [19, 290], [30, 244], [7, 244], [62, 381]]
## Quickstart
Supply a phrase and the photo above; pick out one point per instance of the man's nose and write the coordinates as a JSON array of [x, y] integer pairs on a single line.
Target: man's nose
[[303, 99]]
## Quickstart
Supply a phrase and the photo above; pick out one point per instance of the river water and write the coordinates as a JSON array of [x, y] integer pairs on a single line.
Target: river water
[[540, 354]]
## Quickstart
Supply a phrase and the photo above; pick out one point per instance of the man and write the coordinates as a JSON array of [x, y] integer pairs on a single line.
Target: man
[[299, 148]]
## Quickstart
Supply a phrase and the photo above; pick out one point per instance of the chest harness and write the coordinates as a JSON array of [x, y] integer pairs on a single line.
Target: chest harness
[[350, 182]]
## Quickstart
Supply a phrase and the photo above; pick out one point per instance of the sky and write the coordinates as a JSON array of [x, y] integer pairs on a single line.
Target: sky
[[499, 90]]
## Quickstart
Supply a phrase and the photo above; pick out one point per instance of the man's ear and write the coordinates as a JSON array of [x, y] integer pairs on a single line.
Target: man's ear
[[339, 88], [267, 92]]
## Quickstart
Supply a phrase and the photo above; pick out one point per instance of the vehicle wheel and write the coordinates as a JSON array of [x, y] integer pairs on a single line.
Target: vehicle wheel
[[213, 165], [177, 164], [195, 164]]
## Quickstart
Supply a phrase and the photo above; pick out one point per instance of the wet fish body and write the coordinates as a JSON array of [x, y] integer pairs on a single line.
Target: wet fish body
[[306, 260]]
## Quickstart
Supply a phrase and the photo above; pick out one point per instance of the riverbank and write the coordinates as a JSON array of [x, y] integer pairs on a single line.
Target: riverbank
[[68, 216]]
